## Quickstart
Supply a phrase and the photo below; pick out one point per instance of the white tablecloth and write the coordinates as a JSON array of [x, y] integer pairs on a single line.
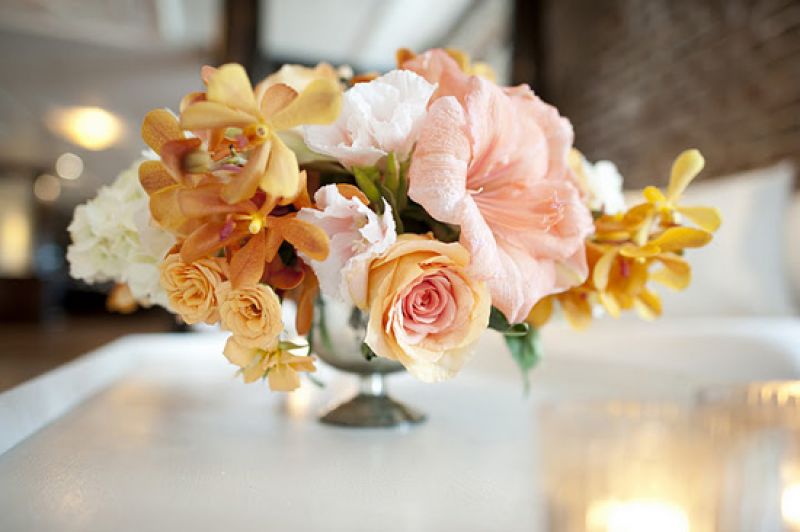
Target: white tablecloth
[[177, 444]]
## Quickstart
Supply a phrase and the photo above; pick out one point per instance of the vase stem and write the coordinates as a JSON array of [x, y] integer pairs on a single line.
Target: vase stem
[[373, 384]]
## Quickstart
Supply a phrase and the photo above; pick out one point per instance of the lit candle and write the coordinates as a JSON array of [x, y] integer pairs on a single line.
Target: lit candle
[[790, 505], [637, 515]]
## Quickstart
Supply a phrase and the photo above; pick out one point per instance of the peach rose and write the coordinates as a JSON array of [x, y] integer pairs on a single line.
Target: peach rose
[[425, 311], [252, 314], [193, 289]]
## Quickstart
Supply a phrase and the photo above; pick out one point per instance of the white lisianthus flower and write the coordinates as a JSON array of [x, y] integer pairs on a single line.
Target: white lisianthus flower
[[379, 117], [601, 182], [115, 239], [357, 235]]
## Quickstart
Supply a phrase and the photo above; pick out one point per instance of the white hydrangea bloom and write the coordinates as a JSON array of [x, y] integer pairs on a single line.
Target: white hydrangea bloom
[[601, 182], [379, 117], [115, 239]]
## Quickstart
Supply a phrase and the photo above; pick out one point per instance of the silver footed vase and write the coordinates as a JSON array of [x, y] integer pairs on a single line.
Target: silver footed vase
[[337, 338]]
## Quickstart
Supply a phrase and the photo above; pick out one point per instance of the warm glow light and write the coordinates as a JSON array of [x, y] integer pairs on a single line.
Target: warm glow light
[[15, 242], [638, 515], [69, 166], [790, 505], [299, 401], [47, 188], [90, 127]]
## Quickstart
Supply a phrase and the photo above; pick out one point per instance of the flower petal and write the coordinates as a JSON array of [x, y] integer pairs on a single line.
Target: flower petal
[[305, 302], [281, 180], [438, 173], [276, 98], [349, 191], [243, 185], [602, 269], [160, 126], [247, 264], [154, 176], [206, 201], [283, 378], [610, 303], [639, 252], [273, 244], [282, 277], [173, 153], [230, 86], [653, 195], [677, 238], [676, 274], [207, 240], [707, 218], [577, 310], [308, 238], [165, 209], [684, 170], [319, 103], [648, 305], [238, 354], [541, 312], [213, 115]]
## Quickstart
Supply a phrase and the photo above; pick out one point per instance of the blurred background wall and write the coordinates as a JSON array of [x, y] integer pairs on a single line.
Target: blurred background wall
[[641, 80]]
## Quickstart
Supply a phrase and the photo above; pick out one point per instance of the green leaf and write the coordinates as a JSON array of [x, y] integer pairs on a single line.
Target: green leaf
[[322, 326], [526, 350], [518, 329], [402, 186], [366, 179], [284, 345], [368, 353], [391, 178], [388, 195], [498, 321]]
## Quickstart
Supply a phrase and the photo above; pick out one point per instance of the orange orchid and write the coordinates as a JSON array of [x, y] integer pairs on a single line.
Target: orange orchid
[[191, 188], [461, 57], [238, 120], [625, 247]]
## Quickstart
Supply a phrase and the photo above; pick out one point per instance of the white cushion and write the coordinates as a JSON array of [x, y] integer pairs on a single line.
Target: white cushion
[[743, 272]]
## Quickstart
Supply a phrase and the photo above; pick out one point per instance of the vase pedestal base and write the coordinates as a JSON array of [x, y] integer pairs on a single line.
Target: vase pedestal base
[[372, 411]]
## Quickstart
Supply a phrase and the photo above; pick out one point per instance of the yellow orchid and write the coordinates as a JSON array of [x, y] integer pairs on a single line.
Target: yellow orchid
[[275, 363], [241, 121], [684, 170], [625, 247]]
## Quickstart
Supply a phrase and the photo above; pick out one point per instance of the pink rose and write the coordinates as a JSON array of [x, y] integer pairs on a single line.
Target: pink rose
[[425, 310], [494, 161]]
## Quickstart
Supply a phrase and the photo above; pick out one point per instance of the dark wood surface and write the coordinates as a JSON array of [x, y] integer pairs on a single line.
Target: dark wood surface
[[30, 349]]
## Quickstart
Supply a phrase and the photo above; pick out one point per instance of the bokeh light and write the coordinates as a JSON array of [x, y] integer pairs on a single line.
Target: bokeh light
[[47, 188], [790, 505], [639, 515], [90, 127], [69, 166]]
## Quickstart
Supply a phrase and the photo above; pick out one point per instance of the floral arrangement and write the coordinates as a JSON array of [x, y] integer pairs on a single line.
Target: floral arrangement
[[435, 200]]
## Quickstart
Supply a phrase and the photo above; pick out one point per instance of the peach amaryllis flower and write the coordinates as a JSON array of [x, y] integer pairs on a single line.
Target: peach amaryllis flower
[[493, 161], [238, 121]]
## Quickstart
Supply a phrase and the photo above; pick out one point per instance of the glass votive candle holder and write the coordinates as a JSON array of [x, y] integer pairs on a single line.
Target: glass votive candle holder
[[626, 467], [756, 428]]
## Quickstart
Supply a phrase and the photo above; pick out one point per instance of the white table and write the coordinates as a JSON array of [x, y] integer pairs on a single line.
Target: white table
[[173, 442]]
